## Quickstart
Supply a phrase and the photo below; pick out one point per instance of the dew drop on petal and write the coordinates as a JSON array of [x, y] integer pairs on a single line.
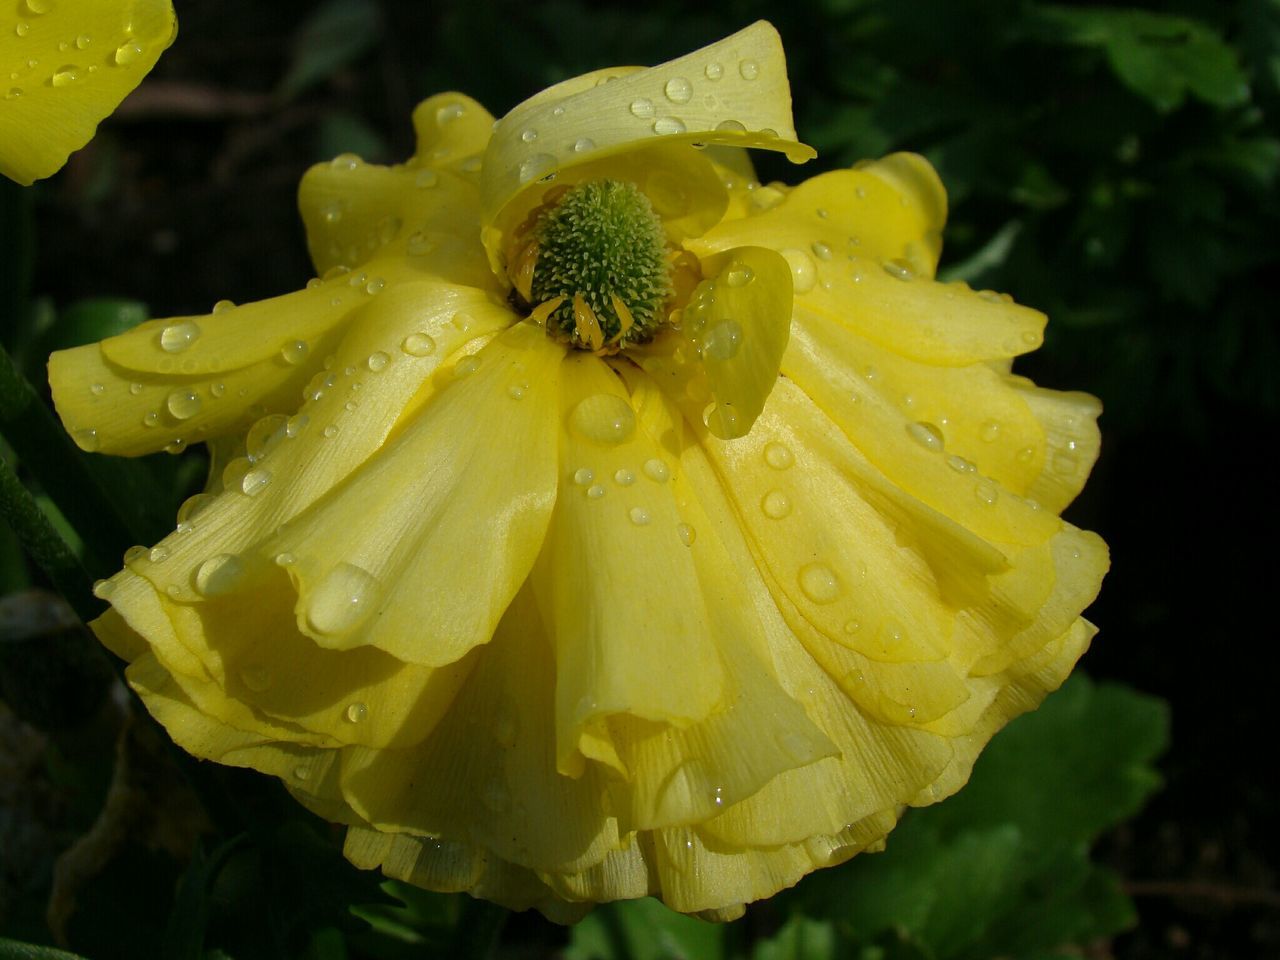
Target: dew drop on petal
[[714, 71], [127, 53], [656, 470], [820, 250], [183, 404], [925, 434], [219, 575], [639, 516], [739, 275], [723, 340], [686, 533], [583, 476], [357, 712], [583, 145], [819, 583], [624, 477], [604, 418], [466, 367], [377, 361], [642, 108], [989, 431], [749, 69], [294, 352], [775, 505], [730, 126], [595, 491], [960, 464], [987, 491], [678, 90], [666, 126], [341, 599], [255, 481], [177, 337], [778, 455]]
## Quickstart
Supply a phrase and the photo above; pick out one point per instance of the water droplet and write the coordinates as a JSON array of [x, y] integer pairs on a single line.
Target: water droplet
[[177, 337], [583, 476], [463, 321], [466, 367], [529, 135], [960, 464], [925, 434], [723, 340], [536, 166], [657, 471], [714, 71], [65, 75], [255, 481], [103, 589], [852, 626], [134, 554], [330, 431], [516, 391], [776, 505], [357, 712], [341, 600], [730, 126], [686, 534], [749, 69], [183, 404], [898, 270], [604, 418], [584, 145], [222, 306], [86, 440], [377, 361], [220, 575], [158, 554], [778, 456], [1026, 454], [83, 41], [14, 93], [989, 431], [294, 352], [678, 90], [22, 29], [739, 275], [150, 419], [804, 273], [595, 491], [135, 388], [376, 285], [639, 516], [37, 7], [819, 583], [987, 491], [642, 108], [302, 773], [666, 126], [624, 477], [820, 250], [127, 52], [345, 161], [97, 389]]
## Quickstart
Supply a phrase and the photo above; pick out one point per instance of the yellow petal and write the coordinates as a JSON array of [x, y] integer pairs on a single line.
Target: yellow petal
[[615, 536], [439, 499], [731, 92], [67, 66], [888, 209], [739, 322]]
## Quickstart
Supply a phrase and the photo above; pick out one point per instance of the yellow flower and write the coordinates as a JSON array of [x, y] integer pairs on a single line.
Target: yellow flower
[[552, 587], [68, 64]]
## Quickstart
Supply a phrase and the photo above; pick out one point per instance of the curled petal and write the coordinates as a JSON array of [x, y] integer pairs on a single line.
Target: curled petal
[[68, 65]]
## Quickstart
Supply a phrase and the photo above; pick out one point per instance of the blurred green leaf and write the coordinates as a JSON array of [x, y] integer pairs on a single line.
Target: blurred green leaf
[[344, 133], [87, 321], [801, 938], [13, 950], [1161, 57], [643, 930], [338, 33]]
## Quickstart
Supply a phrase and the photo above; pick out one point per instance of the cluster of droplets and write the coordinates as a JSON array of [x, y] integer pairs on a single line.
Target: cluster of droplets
[[84, 53]]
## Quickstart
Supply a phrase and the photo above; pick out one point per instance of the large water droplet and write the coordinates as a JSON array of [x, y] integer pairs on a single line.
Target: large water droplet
[[341, 600], [656, 470], [820, 250], [183, 404], [775, 505], [667, 126], [749, 69], [418, 345], [925, 434], [624, 477], [219, 575], [642, 108], [778, 455], [804, 273], [265, 435], [723, 340], [604, 418], [255, 481], [819, 583], [177, 337], [357, 712], [127, 52], [714, 71], [678, 90], [36, 8], [639, 516], [294, 352], [731, 126]]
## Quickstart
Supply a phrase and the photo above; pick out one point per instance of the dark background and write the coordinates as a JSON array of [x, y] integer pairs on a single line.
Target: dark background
[[1114, 170]]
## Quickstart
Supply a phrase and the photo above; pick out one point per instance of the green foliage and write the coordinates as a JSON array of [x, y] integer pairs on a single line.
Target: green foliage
[[336, 34], [1000, 870]]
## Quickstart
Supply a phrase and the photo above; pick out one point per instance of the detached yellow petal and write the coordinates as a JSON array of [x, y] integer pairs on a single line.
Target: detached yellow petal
[[67, 66]]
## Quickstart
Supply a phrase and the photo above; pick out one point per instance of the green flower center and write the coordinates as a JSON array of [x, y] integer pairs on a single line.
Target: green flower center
[[602, 247]]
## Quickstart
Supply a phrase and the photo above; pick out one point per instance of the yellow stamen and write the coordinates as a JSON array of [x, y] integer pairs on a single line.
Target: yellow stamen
[[624, 314], [586, 323], [545, 309], [521, 270]]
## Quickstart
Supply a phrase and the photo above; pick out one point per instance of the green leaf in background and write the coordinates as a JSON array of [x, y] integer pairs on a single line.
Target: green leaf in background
[[13, 950], [1002, 868], [1160, 57], [338, 33], [344, 133], [644, 930]]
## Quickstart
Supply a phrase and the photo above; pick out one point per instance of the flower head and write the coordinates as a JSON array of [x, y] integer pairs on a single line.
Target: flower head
[[69, 65], [641, 529]]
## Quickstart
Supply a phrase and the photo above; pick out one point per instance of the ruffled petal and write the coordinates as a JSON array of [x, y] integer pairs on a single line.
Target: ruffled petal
[[68, 66], [732, 92]]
